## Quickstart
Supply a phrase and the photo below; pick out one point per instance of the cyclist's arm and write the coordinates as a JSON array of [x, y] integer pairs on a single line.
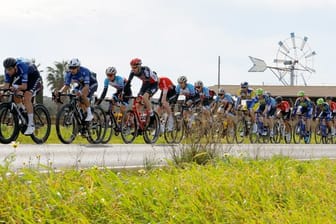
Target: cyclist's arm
[[102, 96]]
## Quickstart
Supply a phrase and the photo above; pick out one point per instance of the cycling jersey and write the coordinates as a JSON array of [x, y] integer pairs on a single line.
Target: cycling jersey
[[247, 95], [165, 84], [283, 106], [149, 80], [189, 91], [323, 111], [305, 105], [83, 77], [27, 72], [332, 106], [118, 83]]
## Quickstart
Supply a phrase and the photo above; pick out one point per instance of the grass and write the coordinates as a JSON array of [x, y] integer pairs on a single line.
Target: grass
[[232, 190]]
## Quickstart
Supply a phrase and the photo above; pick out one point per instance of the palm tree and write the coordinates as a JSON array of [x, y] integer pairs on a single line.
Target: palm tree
[[55, 75]]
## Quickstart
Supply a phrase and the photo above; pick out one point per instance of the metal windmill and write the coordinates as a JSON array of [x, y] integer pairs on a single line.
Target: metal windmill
[[294, 58]]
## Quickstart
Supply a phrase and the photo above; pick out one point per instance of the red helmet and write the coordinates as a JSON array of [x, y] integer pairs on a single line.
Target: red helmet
[[135, 62]]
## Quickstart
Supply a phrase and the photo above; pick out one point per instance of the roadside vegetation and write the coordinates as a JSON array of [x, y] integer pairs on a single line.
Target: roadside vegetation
[[228, 190]]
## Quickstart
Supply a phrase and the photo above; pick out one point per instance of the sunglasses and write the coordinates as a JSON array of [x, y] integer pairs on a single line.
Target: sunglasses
[[72, 67], [220, 94], [110, 75], [197, 87], [134, 67]]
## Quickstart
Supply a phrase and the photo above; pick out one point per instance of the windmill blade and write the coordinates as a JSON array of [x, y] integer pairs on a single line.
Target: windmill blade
[[311, 54], [305, 68], [285, 62], [304, 41], [282, 45], [304, 80], [293, 40], [258, 65]]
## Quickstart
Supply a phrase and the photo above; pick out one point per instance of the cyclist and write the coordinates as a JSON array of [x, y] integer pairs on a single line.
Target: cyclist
[[23, 76], [204, 94], [223, 102], [188, 90], [332, 105], [244, 100], [303, 105], [149, 83], [323, 112], [168, 93], [118, 82], [283, 111], [267, 108], [86, 83]]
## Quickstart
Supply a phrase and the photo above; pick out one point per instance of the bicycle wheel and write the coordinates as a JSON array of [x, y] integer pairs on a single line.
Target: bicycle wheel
[[288, 133], [9, 124], [318, 134], [109, 129], [152, 132], [179, 129], [97, 127], [277, 132], [129, 127], [254, 136], [241, 132], [230, 133], [194, 132], [66, 124], [42, 124], [297, 136], [169, 134]]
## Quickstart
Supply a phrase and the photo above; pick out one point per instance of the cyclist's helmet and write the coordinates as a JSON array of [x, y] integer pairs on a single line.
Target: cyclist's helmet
[[244, 84], [319, 101], [259, 91], [221, 91], [182, 78], [329, 98], [111, 70], [136, 62], [301, 93], [9, 62], [278, 99], [74, 63], [199, 83]]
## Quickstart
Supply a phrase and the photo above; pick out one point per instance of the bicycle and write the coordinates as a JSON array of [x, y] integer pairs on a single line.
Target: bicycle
[[322, 133], [282, 131], [263, 132], [14, 119], [185, 127], [113, 120], [136, 121], [300, 132], [70, 121]]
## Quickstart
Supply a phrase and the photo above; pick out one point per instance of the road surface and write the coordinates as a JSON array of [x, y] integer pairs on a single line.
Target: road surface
[[58, 156]]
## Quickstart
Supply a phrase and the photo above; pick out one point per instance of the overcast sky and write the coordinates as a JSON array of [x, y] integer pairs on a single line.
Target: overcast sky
[[172, 37]]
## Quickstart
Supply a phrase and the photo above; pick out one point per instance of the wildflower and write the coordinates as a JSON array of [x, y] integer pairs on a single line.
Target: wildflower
[[15, 144], [142, 171]]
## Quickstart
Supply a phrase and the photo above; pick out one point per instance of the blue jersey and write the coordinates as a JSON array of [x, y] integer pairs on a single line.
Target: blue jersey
[[83, 77], [118, 83], [204, 92], [227, 98], [25, 70], [188, 91]]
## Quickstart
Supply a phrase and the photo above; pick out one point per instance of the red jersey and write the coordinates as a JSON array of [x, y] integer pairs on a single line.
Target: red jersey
[[284, 106], [332, 105], [165, 83]]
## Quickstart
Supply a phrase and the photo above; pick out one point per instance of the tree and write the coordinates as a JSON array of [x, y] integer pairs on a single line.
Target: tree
[[55, 75]]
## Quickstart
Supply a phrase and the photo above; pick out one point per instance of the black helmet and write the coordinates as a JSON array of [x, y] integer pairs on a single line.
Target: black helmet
[[329, 98], [278, 99], [9, 62]]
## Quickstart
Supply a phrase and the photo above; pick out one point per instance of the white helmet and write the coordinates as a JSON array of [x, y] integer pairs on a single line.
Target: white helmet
[[199, 83], [182, 79], [111, 70], [74, 62], [221, 91]]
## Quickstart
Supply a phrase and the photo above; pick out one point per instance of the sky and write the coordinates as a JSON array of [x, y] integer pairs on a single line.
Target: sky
[[173, 38]]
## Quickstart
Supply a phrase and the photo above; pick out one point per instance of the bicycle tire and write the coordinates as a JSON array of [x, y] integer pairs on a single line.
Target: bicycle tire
[[42, 123], [129, 127], [8, 133], [66, 123]]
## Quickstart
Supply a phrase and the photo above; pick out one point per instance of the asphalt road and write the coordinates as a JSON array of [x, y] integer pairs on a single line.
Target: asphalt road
[[58, 156]]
